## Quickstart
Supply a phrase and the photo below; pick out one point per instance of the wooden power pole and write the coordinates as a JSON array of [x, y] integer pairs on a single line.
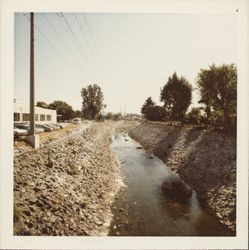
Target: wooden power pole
[[32, 77]]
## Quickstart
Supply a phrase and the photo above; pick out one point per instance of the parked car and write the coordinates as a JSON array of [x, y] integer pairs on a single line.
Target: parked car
[[63, 125], [27, 127], [19, 131], [56, 125], [22, 126], [39, 129], [76, 120], [59, 125], [45, 127], [52, 126]]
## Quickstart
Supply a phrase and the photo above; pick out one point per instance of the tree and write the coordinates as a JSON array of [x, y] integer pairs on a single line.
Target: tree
[[218, 87], [117, 116], [147, 108], [151, 111], [92, 101], [109, 116], [157, 113], [77, 114], [194, 116], [176, 95], [42, 105], [63, 109], [207, 109]]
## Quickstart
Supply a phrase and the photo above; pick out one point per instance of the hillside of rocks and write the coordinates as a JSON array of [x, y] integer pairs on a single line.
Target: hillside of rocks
[[68, 187], [204, 158]]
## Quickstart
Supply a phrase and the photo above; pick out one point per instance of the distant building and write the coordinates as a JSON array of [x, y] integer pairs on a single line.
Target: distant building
[[21, 114]]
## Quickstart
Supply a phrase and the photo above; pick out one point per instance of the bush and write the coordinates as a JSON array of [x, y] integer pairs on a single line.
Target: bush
[[117, 117], [109, 116], [194, 116], [99, 118], [156, 113], [217, 118]]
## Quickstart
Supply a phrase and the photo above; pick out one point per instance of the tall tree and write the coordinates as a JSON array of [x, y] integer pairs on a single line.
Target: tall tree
[[176, 95], [92, 101], [63, 109], [218, 87], [42, 105], [151, 111], [147, 108]]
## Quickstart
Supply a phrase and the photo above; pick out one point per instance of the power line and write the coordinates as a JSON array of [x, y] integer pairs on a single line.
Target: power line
[[90, 32], [92, 39], [74, 36], [60, 37], [48, 41], [83, 33], [50, 44], [86, 39], [67, 29], [70, 29]]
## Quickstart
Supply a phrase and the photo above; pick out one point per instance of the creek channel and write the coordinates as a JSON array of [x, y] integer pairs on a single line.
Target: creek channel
[[142, 209]]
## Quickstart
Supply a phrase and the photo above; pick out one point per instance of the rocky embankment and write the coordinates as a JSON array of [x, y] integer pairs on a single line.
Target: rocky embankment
[[68, 187], [205, 159]]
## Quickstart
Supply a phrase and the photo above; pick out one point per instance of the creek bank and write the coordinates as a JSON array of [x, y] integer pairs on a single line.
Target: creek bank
[[68, 187], [204, 159]]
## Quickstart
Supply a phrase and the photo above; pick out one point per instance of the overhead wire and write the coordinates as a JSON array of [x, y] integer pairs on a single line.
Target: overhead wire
[[51, 44], [44, 36], [83, 33], [93, 40], [90, 32], [63, 41], [75, 39], [66, 25], [91, 50]]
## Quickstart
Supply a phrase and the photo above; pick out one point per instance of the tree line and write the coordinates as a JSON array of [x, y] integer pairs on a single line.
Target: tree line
[[64, 110], [217, 86], [92, 106]]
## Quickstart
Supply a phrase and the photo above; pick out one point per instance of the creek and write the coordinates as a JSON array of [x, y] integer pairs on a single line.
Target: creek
[[142, 209]]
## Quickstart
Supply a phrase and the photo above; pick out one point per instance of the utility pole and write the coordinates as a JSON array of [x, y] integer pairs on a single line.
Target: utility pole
[[32, 77], [32, 138]]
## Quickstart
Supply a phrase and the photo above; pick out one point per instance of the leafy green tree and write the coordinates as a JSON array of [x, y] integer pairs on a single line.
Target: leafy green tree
[[92, 101], [157, 113], [146, 109], [63, 109], [218, 87], [42, 105], [176, 95], [151, 111], [78, 114]]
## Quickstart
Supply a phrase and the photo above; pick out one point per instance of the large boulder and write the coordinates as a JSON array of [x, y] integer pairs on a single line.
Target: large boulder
[[175, 188]]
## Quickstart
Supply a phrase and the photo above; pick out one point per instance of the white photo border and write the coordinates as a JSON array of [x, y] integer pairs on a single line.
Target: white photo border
[[7, 10]]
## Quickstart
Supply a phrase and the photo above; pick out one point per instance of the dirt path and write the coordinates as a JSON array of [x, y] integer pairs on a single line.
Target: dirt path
[[68, 187]]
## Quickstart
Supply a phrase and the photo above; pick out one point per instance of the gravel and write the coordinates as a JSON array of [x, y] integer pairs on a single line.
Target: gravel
[[68, 187]]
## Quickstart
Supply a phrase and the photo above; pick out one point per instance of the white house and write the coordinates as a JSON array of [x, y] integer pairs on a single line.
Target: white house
[[21, 114]]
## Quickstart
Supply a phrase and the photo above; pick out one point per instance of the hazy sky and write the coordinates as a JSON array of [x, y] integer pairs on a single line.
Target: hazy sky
[[130, 56]]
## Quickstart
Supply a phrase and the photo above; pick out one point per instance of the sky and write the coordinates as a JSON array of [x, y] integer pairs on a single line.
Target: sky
[[130, 56]]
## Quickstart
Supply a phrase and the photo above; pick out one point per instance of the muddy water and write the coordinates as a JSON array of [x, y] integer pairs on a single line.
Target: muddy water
[[141, 208]]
